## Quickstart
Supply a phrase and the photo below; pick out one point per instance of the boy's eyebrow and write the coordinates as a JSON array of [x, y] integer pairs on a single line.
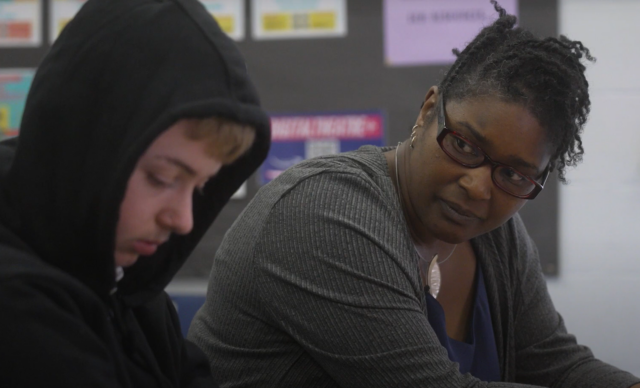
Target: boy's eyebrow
[[480, 138], [180, 164]]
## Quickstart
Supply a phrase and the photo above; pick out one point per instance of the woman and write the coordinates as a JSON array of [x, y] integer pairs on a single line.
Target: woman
[[409, 266], [134, 137]]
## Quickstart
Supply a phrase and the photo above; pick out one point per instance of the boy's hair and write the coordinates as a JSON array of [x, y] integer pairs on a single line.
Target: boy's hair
[[226, 139], [546, 76]]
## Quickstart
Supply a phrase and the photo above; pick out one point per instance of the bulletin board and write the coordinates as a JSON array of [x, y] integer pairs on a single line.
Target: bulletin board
[[337, 74], [349, 73]]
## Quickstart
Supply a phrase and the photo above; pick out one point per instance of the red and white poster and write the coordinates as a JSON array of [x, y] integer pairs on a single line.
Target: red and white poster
[[296, 137]]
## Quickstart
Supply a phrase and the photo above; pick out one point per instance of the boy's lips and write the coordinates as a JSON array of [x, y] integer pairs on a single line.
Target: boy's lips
[[146, 247]]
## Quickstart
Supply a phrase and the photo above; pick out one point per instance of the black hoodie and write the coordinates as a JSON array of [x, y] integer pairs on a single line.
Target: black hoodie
[[120, 73]]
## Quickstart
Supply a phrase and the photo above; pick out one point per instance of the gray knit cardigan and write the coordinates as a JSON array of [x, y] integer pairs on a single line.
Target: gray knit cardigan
[[317, 285]]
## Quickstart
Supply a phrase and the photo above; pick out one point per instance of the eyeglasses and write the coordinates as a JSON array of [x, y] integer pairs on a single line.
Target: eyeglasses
[[470, 155]]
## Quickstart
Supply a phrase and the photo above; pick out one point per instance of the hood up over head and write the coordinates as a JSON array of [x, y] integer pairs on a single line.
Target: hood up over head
[[121, 73]]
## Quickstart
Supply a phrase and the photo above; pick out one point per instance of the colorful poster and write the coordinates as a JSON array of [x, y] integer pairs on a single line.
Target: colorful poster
[[14, 86], [230, 16], [228, 13], [423, 32], [295, 138], [62, 11], [20, 23], [277, 19]]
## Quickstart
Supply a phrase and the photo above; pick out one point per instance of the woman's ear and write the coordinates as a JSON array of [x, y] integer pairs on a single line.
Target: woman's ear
[[428, 106]]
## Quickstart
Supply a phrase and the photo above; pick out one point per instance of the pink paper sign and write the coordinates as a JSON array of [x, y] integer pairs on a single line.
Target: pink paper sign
[[423, 32], [342, 126]]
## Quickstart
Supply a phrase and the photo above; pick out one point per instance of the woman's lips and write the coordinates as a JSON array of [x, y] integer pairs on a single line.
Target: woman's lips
[[458, 214]]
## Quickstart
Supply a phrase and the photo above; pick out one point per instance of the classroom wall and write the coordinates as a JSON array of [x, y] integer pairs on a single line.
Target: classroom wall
[[598, 290], [349, 74]]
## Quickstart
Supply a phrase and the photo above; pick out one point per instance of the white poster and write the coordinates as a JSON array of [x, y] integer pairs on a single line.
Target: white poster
[[277, 19], [20, 23], [423, 32], [230, 16], [62, 11]]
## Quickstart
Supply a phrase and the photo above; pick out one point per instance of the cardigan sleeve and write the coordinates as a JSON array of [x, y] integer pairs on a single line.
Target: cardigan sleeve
[[333, 269], [546, 354]]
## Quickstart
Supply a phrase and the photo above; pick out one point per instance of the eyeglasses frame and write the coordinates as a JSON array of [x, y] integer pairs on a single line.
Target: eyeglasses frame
[[442, 133]]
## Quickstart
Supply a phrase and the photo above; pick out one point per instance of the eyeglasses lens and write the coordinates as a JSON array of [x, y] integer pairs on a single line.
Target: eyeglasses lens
[[471, 156]]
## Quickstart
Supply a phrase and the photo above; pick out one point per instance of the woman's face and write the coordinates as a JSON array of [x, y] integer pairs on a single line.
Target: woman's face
[[453, 203]]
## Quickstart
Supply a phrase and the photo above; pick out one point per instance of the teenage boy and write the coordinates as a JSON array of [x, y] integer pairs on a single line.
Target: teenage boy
[[139, 126]]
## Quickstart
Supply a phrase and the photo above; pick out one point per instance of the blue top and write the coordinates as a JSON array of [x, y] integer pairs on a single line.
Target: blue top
[[478, 354]]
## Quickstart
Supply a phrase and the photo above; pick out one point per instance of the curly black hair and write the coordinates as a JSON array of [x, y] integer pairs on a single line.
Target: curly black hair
[[544, 75]]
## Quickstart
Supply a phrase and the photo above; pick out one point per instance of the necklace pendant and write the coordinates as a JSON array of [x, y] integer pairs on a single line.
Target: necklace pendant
[[434, 278]]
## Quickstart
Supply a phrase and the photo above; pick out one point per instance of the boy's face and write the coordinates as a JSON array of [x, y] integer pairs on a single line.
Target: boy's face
[[158, 199]]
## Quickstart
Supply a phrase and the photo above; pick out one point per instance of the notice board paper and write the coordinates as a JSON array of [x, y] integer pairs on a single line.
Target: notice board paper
[[14, 86], [297, 137], [20, 23], [280, 19], [62, 11], [229, 14], [423, 32]]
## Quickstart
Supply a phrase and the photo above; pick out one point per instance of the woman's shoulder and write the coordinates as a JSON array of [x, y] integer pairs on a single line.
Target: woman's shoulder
[[350, 184]]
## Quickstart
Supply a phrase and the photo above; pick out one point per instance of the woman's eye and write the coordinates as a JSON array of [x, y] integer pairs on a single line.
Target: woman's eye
[[463, 146], [512, 175]]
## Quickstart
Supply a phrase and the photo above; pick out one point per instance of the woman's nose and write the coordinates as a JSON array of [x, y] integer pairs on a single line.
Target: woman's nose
[[477, 182]]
